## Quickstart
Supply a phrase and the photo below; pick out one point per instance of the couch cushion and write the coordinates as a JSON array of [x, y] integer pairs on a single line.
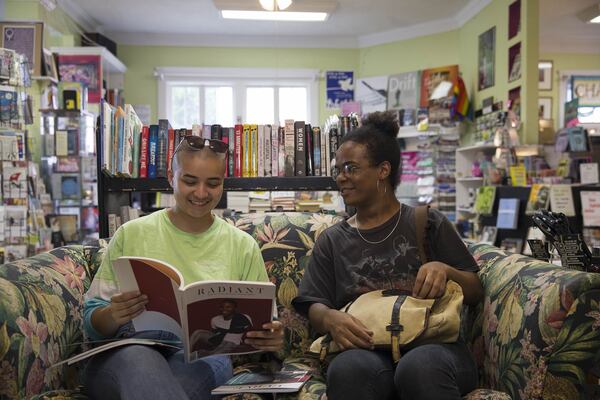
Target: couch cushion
[[286, 241], [41, 300], [538, 329]]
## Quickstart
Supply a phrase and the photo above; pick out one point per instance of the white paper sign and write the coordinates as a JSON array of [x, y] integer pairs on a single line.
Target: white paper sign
[[590, 208], [561, 200], [589, 173]]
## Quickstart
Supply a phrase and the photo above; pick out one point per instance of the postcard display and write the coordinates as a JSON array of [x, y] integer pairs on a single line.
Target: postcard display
[[69, 171], [22, 226]]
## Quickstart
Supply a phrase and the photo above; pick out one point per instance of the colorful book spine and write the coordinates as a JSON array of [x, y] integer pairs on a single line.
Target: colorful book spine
[[308, 142], [170, 148], [238, 152], [316, 134], [300, 149], [246, 152], [281, 156], [254, 151], [267, 146], [152, 150], [290, 147], [231, 151], [260, 151], [275, 150], [144, 152], [161, 151]]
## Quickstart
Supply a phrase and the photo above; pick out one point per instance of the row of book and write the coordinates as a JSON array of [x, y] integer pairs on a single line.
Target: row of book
[[133, 150]]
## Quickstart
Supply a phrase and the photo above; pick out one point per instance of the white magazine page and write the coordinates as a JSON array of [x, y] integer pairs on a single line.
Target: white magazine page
[[148, 320]]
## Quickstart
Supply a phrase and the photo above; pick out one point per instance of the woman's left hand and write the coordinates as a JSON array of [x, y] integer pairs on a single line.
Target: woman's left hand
[[269, 339], [431, 280]]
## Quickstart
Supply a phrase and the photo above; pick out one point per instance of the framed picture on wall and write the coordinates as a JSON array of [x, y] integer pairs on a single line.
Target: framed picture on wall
[[514, 62], [25, 38], [85, 69], [545, 107], [514, 19], [545, 75], [486, 58], [50, 64]]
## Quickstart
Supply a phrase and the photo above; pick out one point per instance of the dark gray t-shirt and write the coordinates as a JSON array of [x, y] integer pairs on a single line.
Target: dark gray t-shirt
[[343, 266]]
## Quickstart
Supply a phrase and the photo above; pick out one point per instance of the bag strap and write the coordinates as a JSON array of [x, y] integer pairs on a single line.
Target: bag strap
[[421, 216], [395, 328]]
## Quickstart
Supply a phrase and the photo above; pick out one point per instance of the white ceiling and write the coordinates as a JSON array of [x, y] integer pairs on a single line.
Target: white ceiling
[[355, 23], [561, 30]]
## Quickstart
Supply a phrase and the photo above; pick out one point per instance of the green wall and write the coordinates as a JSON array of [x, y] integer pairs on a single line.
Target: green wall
[[141, 86], [566, 62], [410, 55], [496, 14]]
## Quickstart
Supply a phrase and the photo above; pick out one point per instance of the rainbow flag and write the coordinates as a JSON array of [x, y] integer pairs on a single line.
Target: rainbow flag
[[460, 102]]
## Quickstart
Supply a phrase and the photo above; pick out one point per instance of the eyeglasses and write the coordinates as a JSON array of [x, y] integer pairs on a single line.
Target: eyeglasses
[[348, 170], [198, 143]]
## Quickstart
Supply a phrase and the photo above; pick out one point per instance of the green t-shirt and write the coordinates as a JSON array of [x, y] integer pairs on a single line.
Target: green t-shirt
[[223, 252]]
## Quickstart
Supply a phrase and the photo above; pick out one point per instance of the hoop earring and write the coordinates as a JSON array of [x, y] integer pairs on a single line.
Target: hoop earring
[[377, 185]]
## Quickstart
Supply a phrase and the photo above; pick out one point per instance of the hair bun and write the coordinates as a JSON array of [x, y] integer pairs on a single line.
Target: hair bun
[[385, 122]]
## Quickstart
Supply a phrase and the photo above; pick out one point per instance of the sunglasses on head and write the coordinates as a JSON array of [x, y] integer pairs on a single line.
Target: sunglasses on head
[[198, 143]]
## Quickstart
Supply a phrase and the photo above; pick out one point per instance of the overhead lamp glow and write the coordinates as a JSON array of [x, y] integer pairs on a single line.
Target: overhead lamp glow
[[590, 14], [275, 5], [544, 65], [274, 15]]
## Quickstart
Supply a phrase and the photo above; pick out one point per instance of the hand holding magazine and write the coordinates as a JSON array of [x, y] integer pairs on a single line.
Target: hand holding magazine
[[210, 317]]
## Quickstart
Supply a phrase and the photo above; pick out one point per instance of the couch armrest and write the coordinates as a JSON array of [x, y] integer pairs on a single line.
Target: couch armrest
[[538, 329], [41, 300]]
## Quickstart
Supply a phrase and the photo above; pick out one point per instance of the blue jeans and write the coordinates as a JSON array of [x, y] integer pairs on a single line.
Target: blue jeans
[[433, 371], [148, 372]]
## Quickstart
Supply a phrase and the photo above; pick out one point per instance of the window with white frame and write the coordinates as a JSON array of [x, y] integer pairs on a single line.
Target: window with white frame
[[228, 96]]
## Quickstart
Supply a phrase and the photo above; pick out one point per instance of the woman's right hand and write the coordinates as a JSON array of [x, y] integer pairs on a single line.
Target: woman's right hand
[[126, 306], [347, 331]]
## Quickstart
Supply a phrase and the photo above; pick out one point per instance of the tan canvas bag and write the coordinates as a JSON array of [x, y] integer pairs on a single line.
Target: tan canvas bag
[[399, 320]]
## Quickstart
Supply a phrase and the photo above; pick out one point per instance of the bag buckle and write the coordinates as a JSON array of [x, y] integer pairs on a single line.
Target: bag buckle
[[394, 328]]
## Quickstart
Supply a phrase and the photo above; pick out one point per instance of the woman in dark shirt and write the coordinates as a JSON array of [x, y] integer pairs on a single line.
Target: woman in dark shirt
[[377, 249]]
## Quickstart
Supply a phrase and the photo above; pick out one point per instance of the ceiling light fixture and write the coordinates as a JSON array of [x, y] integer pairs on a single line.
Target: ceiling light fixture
[[275, 5], [590, 14], [272, 10], [274, 15]]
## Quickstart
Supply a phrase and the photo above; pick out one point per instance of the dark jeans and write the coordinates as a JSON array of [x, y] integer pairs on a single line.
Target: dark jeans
[[433, 371], [147, 372]]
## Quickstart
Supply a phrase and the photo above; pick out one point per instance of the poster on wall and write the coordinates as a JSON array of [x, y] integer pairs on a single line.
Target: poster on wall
[[514, 62], [587, 90], [84, 69], [432, 78], [340, 88], [403, 91], [514, 19], [486, 58], [372, 93]]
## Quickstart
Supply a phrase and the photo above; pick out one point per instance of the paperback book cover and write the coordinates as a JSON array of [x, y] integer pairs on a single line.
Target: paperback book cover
[[539, 197], [210, 317], [561, 200], [484, 202], [264, 382], [512, 245], [508, 214]]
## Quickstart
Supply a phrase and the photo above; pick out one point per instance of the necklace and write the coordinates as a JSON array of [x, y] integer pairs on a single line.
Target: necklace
[[388, 235]]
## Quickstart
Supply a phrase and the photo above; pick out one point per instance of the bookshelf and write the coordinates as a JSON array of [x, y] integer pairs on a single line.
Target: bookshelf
[[69, 171], [117, 192]]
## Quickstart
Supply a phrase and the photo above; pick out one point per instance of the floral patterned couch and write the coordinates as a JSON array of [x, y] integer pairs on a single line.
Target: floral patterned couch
[[536, 335]]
